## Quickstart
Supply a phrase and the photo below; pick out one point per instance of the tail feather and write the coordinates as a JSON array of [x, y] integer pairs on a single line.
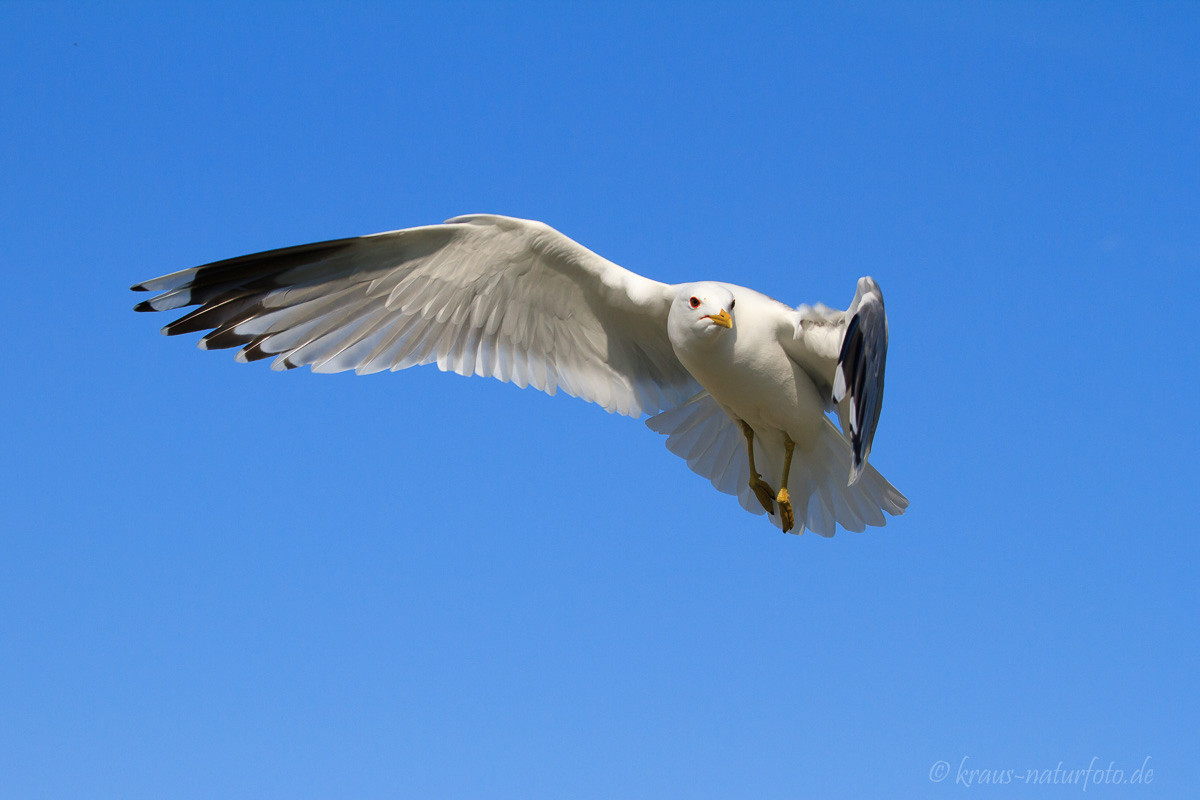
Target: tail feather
[[700, 432]]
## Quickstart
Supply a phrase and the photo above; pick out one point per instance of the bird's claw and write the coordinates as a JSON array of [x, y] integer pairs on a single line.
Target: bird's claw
[[764, 493], [786, 516]]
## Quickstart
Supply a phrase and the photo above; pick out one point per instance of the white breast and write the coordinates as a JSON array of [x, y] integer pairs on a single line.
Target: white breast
[[747, 371]]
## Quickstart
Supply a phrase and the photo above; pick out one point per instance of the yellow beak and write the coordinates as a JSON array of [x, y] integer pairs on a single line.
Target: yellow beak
[[723, 319]]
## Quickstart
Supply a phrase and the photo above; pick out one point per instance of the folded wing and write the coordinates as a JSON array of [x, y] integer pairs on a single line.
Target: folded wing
[[479, 295]]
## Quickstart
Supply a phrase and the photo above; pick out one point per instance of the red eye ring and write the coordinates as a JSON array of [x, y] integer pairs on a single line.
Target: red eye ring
[[695, 301]]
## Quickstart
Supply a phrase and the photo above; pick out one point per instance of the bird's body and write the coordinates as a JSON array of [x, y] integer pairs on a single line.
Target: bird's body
[[748, 373], [738, 382]]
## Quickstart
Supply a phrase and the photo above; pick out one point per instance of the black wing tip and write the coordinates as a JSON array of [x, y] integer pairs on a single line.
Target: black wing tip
[[138, 287], [223, 339], [254, 352], [179, 326], [143, 307], [852, 343]]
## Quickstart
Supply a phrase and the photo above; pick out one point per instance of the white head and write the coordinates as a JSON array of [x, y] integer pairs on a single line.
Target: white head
[[701, 312]]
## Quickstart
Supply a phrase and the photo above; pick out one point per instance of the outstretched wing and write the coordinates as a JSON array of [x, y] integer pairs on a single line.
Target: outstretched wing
[[845, 353], [479, 295]]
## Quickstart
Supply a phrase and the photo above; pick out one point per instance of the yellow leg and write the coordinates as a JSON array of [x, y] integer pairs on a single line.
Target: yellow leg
[[762, 489], [786, 515]]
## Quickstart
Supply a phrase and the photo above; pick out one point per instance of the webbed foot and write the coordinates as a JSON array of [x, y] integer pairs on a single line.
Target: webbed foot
[[786, 516], [764, 493]]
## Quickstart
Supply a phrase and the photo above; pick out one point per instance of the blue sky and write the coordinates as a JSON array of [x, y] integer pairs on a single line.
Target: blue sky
[[220, 581]]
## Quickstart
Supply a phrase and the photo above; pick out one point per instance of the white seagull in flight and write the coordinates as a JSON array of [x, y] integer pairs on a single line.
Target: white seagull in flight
[[739, 383]]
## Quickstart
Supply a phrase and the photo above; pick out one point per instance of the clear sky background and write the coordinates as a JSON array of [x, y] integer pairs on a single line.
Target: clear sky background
[[220, 581]]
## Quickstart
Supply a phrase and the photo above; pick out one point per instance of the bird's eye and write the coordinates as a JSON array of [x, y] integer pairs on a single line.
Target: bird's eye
[[695, 301], [732, 303]]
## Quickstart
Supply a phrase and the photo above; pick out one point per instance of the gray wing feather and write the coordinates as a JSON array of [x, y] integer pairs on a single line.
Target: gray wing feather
[[858, 379]]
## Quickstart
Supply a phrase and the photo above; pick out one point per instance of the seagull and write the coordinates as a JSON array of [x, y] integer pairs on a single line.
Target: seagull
[[739, 383]]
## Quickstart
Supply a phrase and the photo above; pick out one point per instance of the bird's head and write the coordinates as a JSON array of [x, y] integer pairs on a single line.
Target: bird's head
[[702, 310]]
